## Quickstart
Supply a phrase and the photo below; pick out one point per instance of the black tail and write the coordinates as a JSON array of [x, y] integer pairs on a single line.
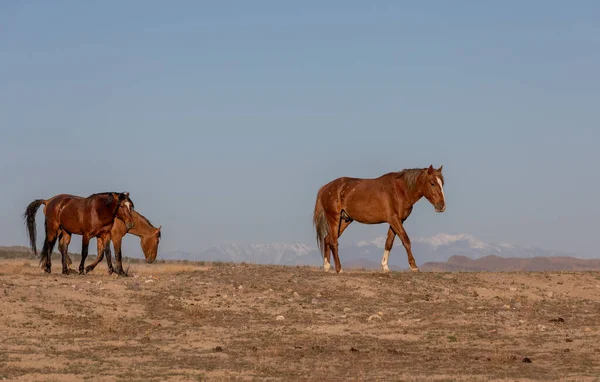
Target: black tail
[[29, 217]]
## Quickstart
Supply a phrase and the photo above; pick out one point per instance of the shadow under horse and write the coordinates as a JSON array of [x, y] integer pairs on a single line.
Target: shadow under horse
[[89, 217], [387, 199], [149, 239]]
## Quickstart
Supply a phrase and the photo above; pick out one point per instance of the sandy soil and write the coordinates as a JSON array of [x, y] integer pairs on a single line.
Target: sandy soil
[[236, 321]]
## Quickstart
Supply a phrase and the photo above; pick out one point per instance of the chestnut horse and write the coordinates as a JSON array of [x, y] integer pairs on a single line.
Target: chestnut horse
[[90, 217], [387, 199], [149, 235]]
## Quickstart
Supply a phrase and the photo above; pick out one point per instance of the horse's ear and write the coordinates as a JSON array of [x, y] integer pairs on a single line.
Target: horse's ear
[[430, 170], [440, 169], [126, 194], [159, 228]]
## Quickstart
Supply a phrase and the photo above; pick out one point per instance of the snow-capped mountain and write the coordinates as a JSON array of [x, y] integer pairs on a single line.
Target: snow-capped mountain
[[430, 249], [274, 253]]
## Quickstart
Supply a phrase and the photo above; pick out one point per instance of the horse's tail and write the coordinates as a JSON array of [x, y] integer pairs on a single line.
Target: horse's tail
[[29, 217], [320, 222]]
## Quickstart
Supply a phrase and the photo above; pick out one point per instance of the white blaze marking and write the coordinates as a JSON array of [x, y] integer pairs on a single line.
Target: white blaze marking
[[441, 188], [384, 260], [128, 205], [326, 264]]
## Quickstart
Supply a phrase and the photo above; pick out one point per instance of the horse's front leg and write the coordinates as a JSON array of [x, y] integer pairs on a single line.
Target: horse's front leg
[[396, 225]]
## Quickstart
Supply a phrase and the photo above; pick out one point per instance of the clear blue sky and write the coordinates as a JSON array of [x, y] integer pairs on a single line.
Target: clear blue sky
[[223, 118]]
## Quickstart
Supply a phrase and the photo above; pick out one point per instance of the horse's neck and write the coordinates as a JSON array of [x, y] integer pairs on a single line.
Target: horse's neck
[[413, 197], [141, 227], [107, 213]]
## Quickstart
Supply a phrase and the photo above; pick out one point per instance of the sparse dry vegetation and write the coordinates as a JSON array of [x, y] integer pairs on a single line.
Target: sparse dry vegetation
[[190, 321]]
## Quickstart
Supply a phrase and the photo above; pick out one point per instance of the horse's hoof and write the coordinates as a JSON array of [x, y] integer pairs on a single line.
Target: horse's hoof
[[65, 272], [340, 271], [385, 269], [47, 270], [415, 269]]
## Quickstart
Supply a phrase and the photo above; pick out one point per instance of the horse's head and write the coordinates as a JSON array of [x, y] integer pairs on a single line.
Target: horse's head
[[150, 245], [433, 188], [124, 211]]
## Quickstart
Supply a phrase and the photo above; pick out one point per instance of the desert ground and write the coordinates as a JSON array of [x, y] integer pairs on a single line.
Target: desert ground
[[224, 321]]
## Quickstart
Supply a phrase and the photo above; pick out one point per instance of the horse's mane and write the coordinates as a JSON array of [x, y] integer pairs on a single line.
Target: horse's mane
[[111, 197], [103, 193], [411, 175], [146, 219]]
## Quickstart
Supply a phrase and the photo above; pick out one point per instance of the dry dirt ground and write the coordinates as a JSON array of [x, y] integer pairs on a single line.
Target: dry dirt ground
[[237, 321]]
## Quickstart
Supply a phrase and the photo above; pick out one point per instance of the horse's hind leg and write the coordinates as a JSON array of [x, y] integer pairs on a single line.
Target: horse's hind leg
[[336, 257], [326, 255], [63, 246], [336, 228], [85, 243], [49, 243], [388, 247]]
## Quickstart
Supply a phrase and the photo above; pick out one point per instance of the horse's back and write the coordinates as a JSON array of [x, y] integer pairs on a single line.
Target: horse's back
[[334, 193], [64, 209], [57, 202], [345, 182]]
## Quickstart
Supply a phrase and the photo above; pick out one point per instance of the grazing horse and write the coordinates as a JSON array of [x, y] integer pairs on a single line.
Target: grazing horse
[[90, 217], [149, 235], [387, 199]]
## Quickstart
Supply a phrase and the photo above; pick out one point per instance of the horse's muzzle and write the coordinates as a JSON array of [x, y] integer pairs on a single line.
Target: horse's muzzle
[[440, 209], [129, 225]]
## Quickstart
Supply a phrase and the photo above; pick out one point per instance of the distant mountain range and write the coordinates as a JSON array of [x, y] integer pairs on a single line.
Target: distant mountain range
[[366, 254], [494, 263], [439, 253]]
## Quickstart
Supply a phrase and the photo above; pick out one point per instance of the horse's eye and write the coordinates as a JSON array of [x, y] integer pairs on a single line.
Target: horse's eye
[[432, 184]]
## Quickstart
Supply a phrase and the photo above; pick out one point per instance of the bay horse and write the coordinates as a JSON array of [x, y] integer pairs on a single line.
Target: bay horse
[[387, 199], [149, 240], [90, 217]]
